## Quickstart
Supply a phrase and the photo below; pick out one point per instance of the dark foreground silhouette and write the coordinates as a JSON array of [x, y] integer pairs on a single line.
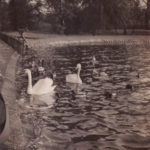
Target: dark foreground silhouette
[[4, 125]]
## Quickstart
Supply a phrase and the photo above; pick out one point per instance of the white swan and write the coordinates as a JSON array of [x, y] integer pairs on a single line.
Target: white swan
[[94, 61], [103, 74], [42, 92], [43, 86], [75, 78]]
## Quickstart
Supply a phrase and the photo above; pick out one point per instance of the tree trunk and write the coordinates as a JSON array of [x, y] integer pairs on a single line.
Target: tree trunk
[[147, 15], [102, 25], [125, 31]]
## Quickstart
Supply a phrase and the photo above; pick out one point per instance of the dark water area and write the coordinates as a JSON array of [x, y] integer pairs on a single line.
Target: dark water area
[[110, 113]]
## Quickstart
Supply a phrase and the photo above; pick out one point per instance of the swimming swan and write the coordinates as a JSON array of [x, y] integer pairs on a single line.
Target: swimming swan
[[95, 64], [102, 75], [75, 78], [94, 61], [43, 86]]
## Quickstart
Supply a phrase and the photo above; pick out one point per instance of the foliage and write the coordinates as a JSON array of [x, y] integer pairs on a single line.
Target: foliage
[[92, 15], [147, 14], [77, 16], [4, 21], [23, 14]]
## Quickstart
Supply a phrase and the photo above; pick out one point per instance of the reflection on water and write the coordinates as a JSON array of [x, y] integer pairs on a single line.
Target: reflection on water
[[47, 99], [101, 114]]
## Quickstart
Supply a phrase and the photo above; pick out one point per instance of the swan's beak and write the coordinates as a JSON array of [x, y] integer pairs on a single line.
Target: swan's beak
[[76, 68], [54, 75], [1, 76], [25, 70]]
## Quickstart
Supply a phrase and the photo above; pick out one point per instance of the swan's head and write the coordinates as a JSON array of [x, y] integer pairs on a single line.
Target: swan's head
[[93, 59], [27, 71], [78, 67]]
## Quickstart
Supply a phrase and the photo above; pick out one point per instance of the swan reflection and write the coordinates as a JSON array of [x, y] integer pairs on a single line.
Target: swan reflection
[[47, 99]]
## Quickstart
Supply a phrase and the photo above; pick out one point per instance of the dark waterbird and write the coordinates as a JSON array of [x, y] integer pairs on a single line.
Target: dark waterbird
[[109, 95], [129, 86]]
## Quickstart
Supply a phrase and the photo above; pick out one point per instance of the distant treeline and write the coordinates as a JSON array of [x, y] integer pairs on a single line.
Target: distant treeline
[[75, 16]]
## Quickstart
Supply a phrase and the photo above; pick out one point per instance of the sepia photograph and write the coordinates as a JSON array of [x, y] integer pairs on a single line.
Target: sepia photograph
[[74, 74]]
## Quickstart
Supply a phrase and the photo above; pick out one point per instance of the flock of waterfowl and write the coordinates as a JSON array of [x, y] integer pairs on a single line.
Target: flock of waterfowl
[[44, 86]]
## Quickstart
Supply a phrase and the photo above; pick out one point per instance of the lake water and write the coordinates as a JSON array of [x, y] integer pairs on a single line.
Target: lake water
[[100, 114]]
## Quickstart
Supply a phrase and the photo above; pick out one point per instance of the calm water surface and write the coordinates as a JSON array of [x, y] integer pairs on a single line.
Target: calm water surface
[[100, 114]]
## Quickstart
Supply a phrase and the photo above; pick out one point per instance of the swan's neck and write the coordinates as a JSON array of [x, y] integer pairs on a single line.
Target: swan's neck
[[29, 89], [78, 72]]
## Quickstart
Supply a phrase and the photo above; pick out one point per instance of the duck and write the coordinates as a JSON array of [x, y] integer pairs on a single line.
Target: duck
[[143, 78], [75, 78], [138, 75], [100, 75], [94, 72], [135, 141], [110, 95], [104, 75], [129, 87]]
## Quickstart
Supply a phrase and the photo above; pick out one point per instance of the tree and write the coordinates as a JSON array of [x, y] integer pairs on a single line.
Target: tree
[[147, 14], [4, 21], [106, 14], [76, 16], [64, 12], [136, 15], [23, 13]]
